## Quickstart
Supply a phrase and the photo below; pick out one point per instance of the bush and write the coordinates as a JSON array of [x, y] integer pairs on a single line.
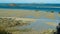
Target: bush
[[4, 32]]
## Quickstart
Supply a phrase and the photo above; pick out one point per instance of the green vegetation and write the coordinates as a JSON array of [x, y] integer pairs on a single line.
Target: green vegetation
[[4, 32], [10, 22], [6, 23]]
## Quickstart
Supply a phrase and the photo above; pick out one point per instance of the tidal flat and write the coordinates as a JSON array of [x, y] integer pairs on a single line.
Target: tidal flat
[[40, 22]]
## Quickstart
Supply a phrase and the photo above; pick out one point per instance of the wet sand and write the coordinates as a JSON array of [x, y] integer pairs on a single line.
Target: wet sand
[[31, 15]]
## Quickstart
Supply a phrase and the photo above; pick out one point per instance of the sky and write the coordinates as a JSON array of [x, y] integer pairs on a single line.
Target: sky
[[30, 1]]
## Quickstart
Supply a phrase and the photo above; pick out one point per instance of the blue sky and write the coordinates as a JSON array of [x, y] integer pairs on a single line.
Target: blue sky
[[29, 1]]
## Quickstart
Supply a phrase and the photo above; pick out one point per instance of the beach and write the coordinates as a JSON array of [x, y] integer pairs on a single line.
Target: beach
[[42, 20]]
